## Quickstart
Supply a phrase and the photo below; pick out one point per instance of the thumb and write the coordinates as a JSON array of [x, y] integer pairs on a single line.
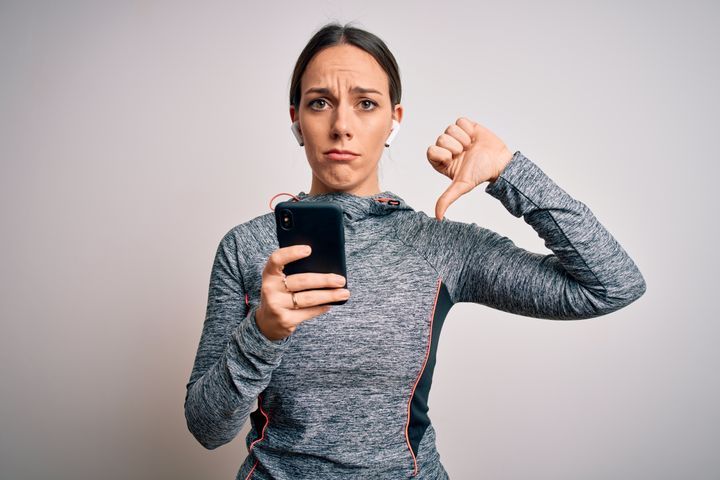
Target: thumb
[[452, 193]]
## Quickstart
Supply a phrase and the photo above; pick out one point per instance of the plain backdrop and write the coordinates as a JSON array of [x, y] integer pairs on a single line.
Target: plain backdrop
[[134, 135]]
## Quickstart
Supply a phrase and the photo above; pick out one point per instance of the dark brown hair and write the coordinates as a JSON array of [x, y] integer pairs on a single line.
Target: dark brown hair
[[337, 34]]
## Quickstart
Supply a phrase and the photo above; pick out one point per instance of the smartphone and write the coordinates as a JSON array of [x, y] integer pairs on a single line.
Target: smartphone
[[320, 225]]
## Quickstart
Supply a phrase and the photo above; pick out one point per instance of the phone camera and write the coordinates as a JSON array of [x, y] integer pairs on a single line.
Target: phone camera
[[286, 220]]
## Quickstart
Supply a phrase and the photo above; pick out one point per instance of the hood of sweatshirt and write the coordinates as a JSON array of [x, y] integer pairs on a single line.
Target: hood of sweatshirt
[[356, 208]]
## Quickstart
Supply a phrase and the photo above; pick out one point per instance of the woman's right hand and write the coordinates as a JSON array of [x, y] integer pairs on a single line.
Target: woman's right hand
[[276, 316]]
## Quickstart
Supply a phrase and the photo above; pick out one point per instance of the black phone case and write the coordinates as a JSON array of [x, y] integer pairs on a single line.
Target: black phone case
[[320, 225]]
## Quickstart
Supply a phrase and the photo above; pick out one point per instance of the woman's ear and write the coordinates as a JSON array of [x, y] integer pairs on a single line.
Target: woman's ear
[[398, 111]]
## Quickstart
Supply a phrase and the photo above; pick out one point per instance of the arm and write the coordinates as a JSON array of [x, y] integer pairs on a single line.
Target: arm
[[234, 360], [587, 275]]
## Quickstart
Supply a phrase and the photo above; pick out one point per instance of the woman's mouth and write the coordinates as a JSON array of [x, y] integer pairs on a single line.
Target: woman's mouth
[[341, 155]]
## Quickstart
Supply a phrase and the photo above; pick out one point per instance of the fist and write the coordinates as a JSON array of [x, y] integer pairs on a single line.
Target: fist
[[469, 154]]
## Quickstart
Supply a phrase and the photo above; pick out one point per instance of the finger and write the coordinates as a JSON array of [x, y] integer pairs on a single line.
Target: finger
[[309, 280], [282, 256], [452, 193], [468, 126], [312, 298], [448, 142], [438, 156], [460, 135]]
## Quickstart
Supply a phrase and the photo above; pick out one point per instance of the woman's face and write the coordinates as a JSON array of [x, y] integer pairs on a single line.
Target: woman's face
[[345, 105]]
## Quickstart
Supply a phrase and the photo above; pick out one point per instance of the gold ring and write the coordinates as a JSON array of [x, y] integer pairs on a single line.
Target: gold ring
[[295, 305], [285, 283]]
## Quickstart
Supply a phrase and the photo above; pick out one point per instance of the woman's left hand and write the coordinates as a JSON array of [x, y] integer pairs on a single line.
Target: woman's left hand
[[469, 154]]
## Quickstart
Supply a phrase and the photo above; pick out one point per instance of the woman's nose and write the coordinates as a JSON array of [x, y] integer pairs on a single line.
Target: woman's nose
[[341, 125]]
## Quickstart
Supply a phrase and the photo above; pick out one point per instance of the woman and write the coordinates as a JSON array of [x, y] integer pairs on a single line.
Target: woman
[[343, 390]]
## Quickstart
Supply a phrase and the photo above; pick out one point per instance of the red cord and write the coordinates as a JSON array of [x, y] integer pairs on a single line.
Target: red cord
[[295, 199]]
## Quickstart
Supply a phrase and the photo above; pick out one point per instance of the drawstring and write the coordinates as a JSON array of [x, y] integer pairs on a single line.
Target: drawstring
[[295, 199]]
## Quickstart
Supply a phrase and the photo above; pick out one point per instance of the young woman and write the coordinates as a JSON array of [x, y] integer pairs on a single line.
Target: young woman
[[342, 390]]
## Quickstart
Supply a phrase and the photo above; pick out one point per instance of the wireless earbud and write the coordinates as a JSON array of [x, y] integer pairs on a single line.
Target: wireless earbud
[[295, 127], [393, 132]]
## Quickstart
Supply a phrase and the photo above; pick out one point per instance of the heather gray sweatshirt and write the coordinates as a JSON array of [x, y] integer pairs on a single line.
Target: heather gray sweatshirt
[[346, 395]]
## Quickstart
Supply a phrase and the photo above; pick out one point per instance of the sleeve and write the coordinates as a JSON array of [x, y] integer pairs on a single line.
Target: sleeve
[[588, 273], [234, 361]]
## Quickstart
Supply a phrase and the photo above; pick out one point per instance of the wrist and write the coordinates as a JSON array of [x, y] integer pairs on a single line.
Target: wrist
[[503, 161], [260, 323], [262, 328]]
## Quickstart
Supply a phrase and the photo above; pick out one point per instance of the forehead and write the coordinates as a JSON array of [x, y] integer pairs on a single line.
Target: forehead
[[345, 63]]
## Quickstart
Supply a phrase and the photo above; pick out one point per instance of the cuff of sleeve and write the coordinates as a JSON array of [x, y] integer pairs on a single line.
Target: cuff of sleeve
[[521, 186], [252, 340]]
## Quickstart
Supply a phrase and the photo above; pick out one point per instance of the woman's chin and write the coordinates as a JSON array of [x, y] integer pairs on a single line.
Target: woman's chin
[[343, 184]]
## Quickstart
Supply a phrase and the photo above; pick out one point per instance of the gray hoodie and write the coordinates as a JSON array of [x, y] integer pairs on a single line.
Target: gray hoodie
[[346, 395]]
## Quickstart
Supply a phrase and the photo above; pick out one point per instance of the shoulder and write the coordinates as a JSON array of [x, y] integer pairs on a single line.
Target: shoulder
[[416, 226], [446, 237], [253, 237]]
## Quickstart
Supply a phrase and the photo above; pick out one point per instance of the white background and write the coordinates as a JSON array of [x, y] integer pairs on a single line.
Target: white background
[[134, 135]]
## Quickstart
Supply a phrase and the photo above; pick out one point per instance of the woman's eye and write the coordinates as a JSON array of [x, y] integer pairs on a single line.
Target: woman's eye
[[315, 102], [319, 103]]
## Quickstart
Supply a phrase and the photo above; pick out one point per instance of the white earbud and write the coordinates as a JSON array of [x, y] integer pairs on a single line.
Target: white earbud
[[295, 127], [393, 132]]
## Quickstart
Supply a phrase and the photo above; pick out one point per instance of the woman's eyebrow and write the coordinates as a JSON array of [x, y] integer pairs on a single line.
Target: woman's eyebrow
[[326, 91]]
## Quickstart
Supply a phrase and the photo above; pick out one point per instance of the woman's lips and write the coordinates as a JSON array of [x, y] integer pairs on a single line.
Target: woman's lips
[[340, 156]]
